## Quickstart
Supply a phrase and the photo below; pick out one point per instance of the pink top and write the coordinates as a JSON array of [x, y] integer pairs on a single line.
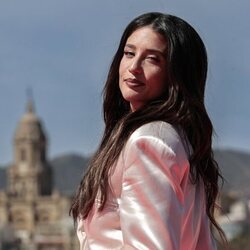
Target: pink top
[[151, 203]]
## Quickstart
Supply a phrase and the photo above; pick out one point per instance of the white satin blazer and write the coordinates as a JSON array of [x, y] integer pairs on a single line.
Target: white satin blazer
[[151, 203]]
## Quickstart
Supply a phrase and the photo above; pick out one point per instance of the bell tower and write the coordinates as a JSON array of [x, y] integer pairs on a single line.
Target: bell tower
[[30, 175]]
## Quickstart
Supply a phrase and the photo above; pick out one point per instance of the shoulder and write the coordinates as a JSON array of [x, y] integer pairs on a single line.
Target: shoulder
[[159, 132], [156, 140], [156, 147], [154, 128]]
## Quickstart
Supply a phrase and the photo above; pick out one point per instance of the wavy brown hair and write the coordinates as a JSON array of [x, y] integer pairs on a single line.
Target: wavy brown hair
[[182, 105]]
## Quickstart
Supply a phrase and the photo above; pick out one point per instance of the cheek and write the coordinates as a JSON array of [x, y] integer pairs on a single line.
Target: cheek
[[121, 67], [121, 73], [155, 75], [158, 81]]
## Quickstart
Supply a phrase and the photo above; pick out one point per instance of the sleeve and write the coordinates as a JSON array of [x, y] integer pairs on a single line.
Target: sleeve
[[81, 235], [151, 203]]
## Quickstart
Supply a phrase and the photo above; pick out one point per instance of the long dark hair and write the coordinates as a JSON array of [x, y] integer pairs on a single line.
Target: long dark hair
[[182, 105]]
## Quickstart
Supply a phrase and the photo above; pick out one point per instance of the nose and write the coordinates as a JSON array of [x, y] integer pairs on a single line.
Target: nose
[[135, 66]]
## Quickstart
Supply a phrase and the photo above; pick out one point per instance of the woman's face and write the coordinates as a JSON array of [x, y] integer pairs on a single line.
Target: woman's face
[[143, 67]]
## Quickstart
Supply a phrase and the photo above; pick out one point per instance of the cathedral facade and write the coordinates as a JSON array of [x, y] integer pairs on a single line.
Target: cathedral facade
[[32, 213]]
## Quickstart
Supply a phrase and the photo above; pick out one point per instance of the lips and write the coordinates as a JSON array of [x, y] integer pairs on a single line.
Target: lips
[[133, 82]]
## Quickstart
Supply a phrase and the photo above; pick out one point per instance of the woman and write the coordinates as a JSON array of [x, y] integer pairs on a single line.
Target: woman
[[153, 182]]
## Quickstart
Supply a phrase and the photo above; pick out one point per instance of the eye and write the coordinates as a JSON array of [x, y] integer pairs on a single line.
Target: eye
[[153, 59], [129, 54]]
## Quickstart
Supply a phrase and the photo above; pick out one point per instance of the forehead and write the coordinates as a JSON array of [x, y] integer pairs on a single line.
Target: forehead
[[147, 38]]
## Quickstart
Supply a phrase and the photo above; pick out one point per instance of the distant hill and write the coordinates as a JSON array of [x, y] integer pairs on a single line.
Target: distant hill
[[235, 167], [68, 170]]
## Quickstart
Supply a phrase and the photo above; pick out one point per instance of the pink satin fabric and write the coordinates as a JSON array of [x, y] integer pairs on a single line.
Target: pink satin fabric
[[151, 203]]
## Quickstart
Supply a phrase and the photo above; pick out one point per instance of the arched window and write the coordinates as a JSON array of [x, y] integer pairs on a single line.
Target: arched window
[[18, 217], [43, 216], [23, 154]]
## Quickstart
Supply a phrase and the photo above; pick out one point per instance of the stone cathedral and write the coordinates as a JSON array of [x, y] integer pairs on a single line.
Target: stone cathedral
[[35, 214]]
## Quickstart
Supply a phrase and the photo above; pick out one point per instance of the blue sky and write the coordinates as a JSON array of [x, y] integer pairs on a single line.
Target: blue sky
[[63, 49]]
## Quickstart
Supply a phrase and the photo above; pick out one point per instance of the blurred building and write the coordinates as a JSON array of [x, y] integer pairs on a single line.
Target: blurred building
[[32, 214], [237, 220]]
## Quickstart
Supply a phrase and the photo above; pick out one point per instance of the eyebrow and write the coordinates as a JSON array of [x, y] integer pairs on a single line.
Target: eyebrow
[[131, 46]]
